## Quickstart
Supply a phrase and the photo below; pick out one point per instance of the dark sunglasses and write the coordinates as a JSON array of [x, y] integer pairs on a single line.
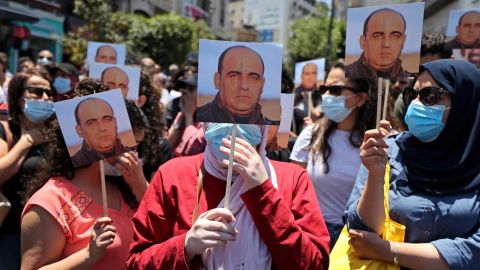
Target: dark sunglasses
[[428, 96], [38, 91], [49, 58], [335, 90]]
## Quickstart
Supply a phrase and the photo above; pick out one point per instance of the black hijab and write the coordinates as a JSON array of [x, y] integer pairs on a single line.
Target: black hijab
[[450, 163]]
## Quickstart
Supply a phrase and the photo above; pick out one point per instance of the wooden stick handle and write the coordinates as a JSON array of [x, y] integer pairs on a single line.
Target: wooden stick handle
[[385, 99], [310, 104], [104, 189], [230, 167], [379, 102]]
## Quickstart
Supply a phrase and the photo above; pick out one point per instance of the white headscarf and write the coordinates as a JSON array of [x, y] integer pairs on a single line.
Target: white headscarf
[[248, 251]]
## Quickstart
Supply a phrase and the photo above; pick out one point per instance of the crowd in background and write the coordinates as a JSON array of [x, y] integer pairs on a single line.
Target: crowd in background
[[35, 164]]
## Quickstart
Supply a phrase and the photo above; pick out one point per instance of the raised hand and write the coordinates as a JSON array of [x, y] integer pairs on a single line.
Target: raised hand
[[247, 162], [211, 229]]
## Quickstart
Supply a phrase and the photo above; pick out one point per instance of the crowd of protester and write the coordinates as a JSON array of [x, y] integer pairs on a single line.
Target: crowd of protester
[[165, 196]]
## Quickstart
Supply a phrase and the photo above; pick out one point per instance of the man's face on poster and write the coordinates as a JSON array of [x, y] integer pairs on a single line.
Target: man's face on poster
[[383, 41], [97, 125], [106, 54], [468, 29], [115, 78], [240, 82], [309, 75]]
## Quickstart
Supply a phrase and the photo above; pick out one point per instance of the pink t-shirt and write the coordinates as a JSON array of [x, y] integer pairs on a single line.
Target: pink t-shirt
[[76, 213]]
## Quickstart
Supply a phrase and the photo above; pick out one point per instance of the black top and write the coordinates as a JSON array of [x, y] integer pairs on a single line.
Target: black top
[[12, 188]]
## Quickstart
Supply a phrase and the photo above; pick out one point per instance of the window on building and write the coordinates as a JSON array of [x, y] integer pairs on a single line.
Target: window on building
[[266, 35]]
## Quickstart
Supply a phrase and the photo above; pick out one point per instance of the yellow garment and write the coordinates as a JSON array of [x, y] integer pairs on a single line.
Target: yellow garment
[[343, 257]]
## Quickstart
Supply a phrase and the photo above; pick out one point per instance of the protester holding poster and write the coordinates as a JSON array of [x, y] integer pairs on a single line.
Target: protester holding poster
[[272, 210], [329, 149], [274, 205], [63, 225], [434, 195]]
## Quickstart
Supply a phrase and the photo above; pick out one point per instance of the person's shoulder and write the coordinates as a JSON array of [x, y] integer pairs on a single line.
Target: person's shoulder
[[391, 141], [182, 165], [286, 169], [55, 190], [352, 65], [80, 159], [202, 112], [452, 44]]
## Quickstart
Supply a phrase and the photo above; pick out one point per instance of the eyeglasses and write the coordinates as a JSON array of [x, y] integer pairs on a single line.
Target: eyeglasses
[[335, 90], [37, 91], [428, 95]]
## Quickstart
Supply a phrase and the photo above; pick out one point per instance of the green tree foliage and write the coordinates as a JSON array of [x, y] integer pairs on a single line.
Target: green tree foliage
[[309, 37], [200, 30], [167, 38], [98, 15]]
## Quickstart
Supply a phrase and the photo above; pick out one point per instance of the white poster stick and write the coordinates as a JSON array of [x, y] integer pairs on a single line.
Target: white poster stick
[[379, 102], [385, 99], [230, 167], [310, 104], [104, 189]]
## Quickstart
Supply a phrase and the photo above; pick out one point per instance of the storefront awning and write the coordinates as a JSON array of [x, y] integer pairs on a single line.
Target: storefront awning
[[12, 14]]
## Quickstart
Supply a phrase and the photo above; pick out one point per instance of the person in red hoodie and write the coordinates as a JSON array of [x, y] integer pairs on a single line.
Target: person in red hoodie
[[273, 220]]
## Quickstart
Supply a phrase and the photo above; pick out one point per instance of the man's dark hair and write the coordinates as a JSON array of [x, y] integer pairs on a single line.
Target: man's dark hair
[[77, 118], [220, 59], [365, 24], [104, 46], [109, 68]]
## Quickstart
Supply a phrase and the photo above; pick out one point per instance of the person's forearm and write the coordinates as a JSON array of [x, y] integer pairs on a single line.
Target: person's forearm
[[371, 204], [79, 260], [139, 187], [416, 256], [11, 162]]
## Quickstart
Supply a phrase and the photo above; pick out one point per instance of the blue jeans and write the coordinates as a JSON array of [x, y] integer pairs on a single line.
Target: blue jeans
[[334, 231]]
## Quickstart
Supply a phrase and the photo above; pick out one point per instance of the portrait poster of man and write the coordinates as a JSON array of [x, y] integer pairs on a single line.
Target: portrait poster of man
[[286, 120], [383, 41], [107, 53], [126, 78], [239, 82], [463, 30], [309, 74], [95, 127]]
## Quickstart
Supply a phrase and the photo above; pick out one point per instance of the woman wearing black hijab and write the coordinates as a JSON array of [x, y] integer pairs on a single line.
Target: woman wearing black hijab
[[434, 176]]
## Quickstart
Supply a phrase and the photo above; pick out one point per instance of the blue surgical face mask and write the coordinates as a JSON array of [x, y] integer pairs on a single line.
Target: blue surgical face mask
[[334, 108], [424, 122], [217, 131], [62, 85], [38, 110]]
